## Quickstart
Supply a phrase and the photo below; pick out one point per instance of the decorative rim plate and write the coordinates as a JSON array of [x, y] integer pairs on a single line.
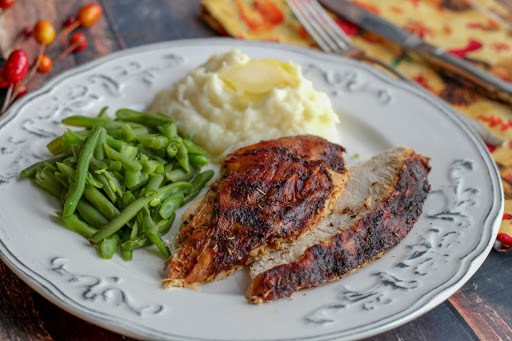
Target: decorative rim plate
[[450, 241]]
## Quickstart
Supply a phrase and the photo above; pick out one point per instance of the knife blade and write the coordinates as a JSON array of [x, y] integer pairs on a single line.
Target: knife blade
[[484, 81]]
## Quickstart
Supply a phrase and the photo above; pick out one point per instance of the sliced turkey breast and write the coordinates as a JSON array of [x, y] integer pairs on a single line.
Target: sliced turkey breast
[[381, 202]]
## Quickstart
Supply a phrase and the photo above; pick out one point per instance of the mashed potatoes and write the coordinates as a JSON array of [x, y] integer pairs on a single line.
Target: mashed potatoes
[[232, 100]]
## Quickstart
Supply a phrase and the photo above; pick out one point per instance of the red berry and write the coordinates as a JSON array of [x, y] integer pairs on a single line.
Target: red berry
[[16, 66], [79, 40], [69, 21], [45, 64], [89, 14], [5, 4], [27, 32]]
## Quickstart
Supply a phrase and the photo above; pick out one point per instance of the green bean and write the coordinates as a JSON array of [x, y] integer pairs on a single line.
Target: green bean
[[82, 169], [131, 211], [168, 168], [31, 170], [169, 130], [132, 178], [76, 150], [172, 148], [193, 148], [62, 179], [151, 231], [126, 161], [198, 160], [127, 133], [199, 182], [129, 151], [109, 191], [128, 198], [135, 230], [84, 121], [99, 151], [90, 214], [102, 204], [55, 146], [70, 173], [108, 246], [126, 255], [115, 143], [113, 182], [148, 166], [165, 225], [48, 181], [183, 186], [97, 165], [77, 225], [103, 113], [121, 180], [50, 167], [91, 180], [114, 165], [171, 204], [179, 174], [145, 118], [182, 157], [136, 242], [155, 180], [153, 141]]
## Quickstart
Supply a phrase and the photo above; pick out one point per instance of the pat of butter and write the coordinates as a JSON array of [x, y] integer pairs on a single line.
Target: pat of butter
[[259, 76]]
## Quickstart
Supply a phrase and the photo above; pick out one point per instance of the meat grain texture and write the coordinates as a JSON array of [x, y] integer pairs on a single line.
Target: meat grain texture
[[381, 202], [269, 194]]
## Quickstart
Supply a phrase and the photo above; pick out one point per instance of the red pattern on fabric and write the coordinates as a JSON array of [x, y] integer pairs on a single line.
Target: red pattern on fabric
[[499, 46], [348, 27], [497, 121], [471, 46], [418, 28]]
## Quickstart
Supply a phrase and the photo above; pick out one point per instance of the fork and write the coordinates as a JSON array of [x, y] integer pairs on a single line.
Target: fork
[[329, 36], [332, 39]]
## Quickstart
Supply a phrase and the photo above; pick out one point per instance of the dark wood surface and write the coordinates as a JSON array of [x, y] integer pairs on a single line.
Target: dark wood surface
[[481, 309]]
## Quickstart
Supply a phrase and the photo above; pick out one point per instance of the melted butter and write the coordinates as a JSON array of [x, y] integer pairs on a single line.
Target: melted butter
[[258, 77]]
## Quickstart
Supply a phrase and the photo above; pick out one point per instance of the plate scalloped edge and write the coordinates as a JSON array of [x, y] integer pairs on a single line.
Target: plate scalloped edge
[[431, 299]]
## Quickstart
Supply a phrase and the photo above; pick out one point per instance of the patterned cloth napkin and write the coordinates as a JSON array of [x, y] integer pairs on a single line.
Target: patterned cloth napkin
[[478, 30]]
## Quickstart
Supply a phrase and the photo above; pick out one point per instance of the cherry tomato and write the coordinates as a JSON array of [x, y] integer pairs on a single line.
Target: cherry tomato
[[45, 65], [16, 66], [5, 4], [22, 92], [69, 21], [44, 32], [89, 14], [80, 40]]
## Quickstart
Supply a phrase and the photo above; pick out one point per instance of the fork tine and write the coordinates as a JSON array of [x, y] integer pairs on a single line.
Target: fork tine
[[310, 25], [330, 26]]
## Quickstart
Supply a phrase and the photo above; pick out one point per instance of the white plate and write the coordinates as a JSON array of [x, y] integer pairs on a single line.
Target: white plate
[[448, 244]]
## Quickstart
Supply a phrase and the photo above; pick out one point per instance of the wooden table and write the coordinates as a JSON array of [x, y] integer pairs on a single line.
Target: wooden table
[[482, 309]]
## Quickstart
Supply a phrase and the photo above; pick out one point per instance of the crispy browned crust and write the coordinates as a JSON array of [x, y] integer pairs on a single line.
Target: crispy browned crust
[[370, 237], [314, 148], [269, 193]]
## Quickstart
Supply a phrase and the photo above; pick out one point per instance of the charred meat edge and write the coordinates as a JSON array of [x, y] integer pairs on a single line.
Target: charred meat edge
[[369, 238], [338, 178]]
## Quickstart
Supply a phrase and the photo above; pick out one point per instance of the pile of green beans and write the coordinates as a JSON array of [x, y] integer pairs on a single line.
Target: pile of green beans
[[121, 180]]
